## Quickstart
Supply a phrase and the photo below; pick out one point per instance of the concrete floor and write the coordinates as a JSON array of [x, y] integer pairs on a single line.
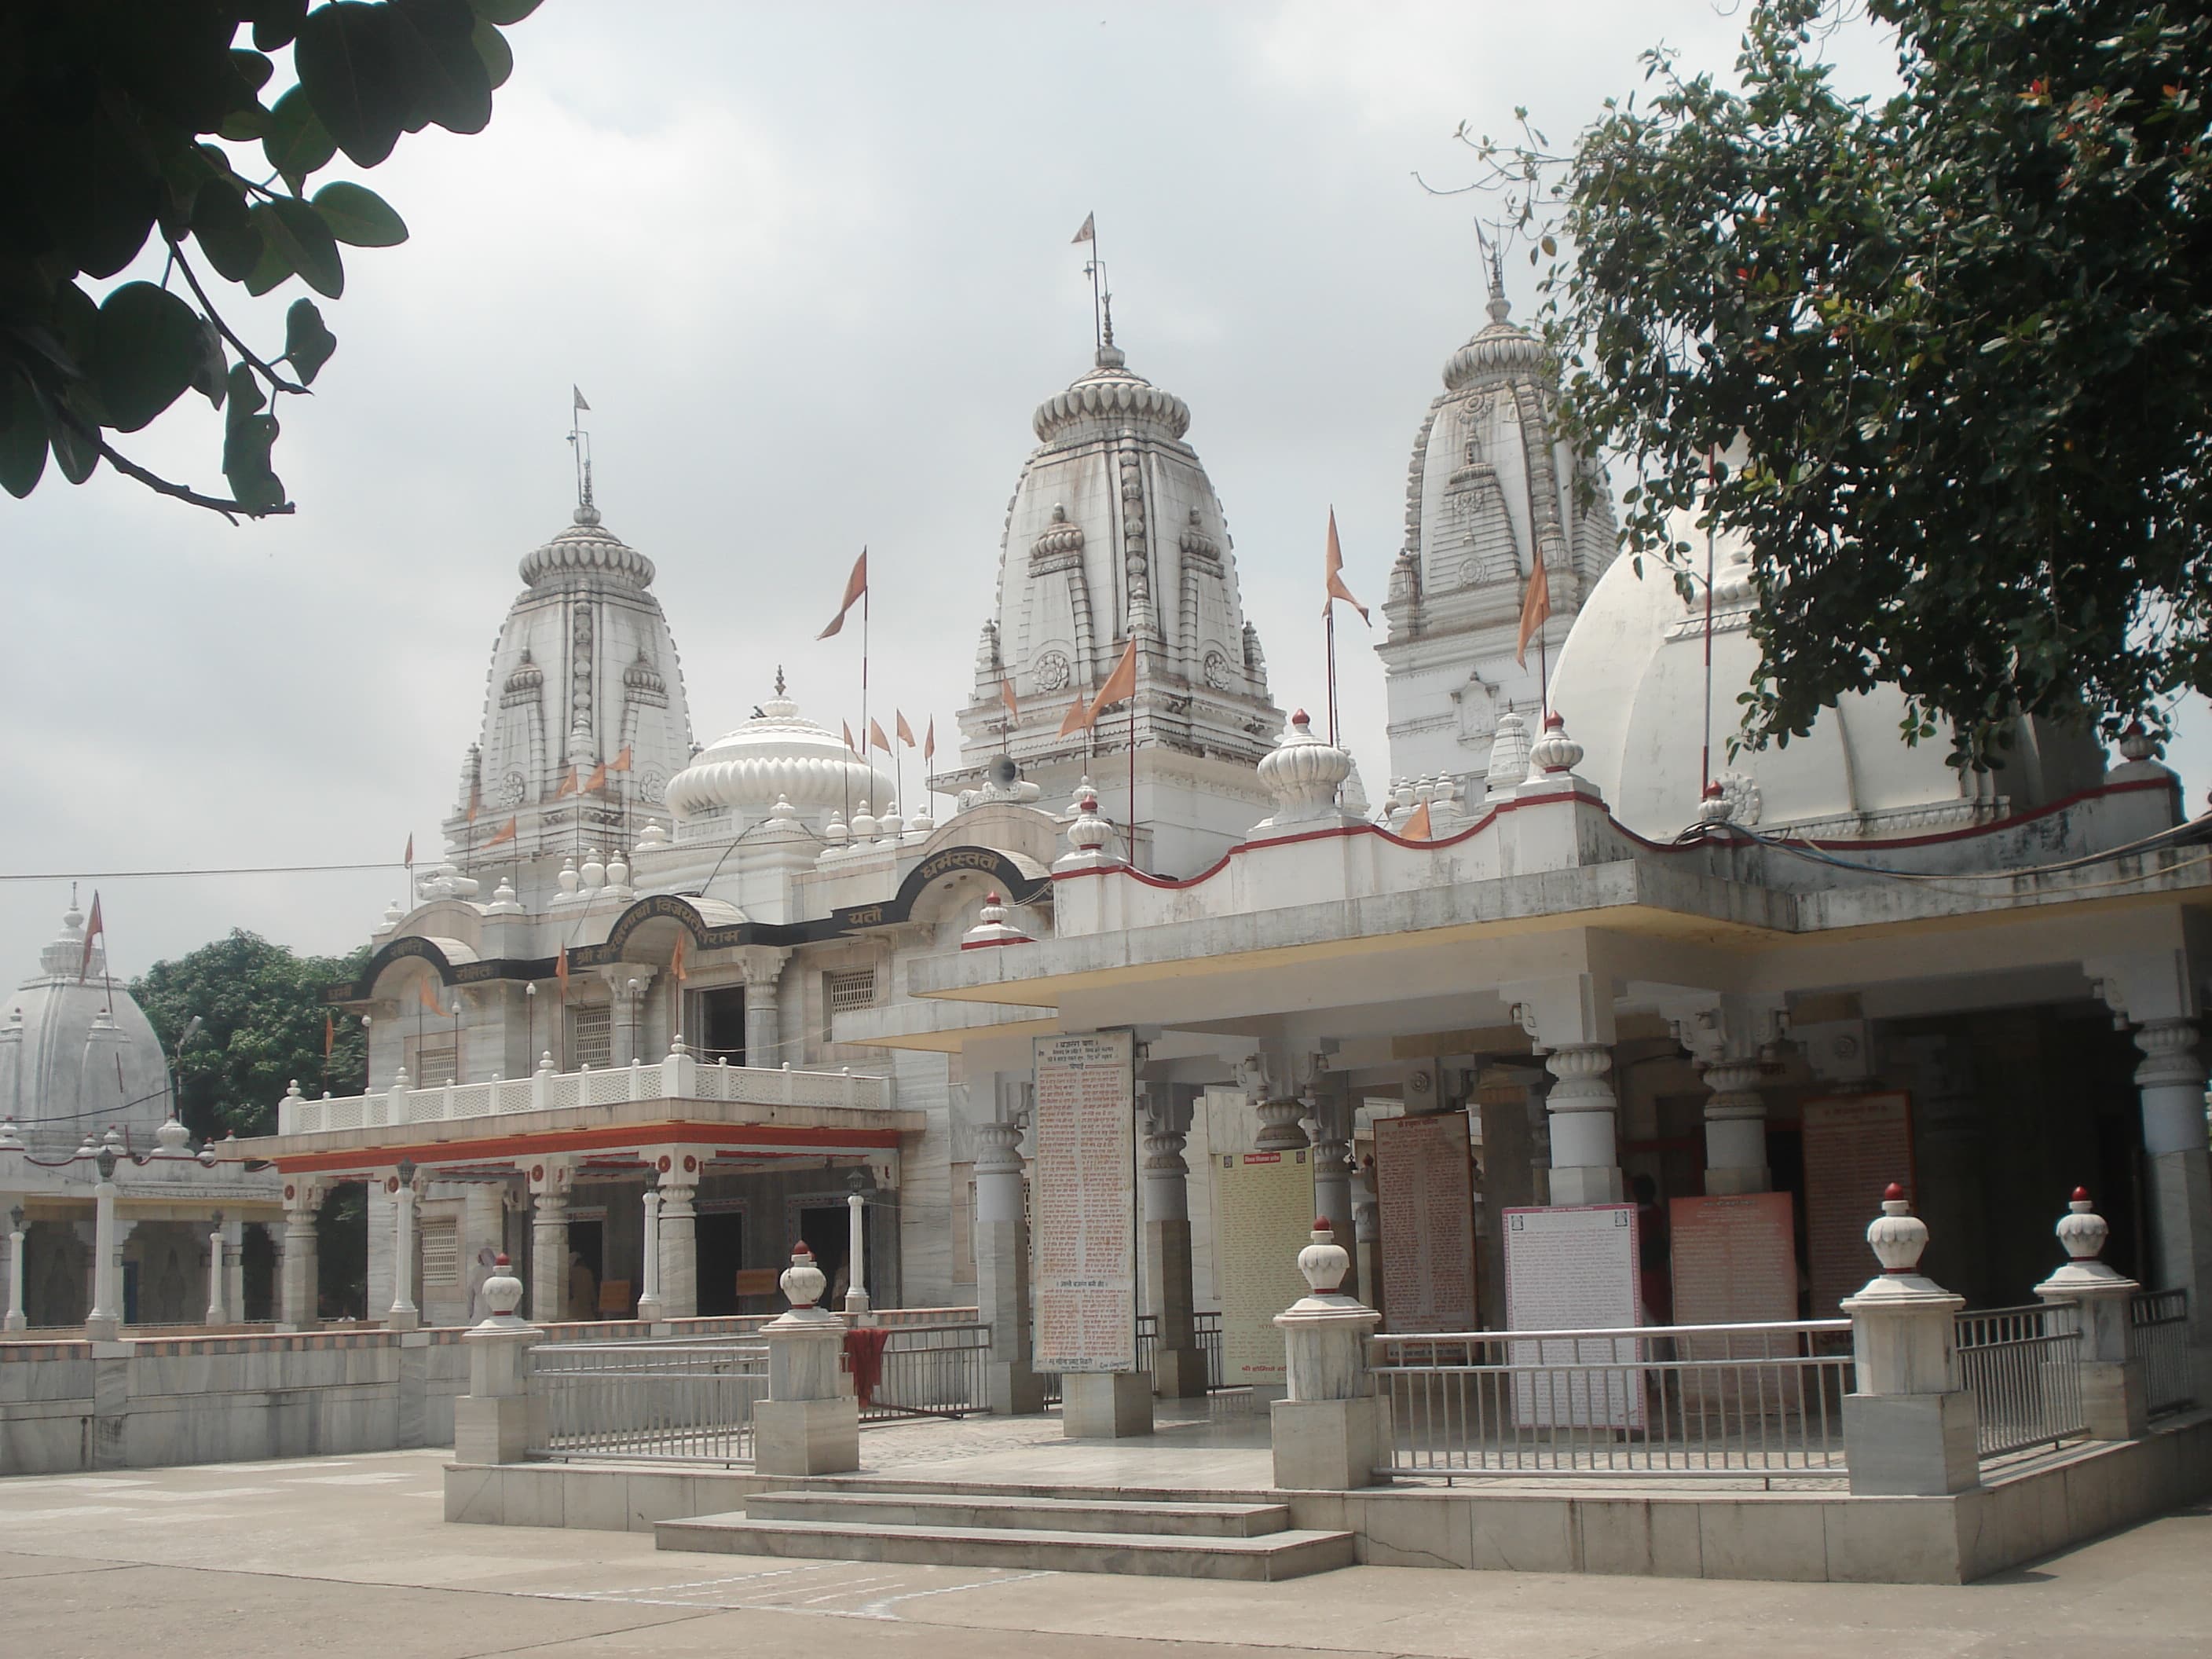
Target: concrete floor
[[348, 1556]]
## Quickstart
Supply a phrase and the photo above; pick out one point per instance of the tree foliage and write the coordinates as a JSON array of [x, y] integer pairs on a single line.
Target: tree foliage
[[126, 120], [262, 1025], [1963, 336]]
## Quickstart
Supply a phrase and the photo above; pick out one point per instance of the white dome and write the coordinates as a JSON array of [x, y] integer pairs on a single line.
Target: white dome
[[1631, 681], [776, 754], [68, 1064]]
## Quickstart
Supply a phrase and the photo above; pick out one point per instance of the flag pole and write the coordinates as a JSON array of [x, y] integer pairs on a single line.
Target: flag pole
[[1330, 613], [1132, 780]]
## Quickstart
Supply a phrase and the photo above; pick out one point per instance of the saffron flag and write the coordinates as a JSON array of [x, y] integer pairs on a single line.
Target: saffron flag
[[929, 740], [427, 998], [847, 726], [676, 962], [561, 969], [598, 781], [1536, 609], [1089, 233], [621, 761], [97, 928], [904, 731], [506, 835], [876, 736], [1006, 696], [1417, 826], [568, 784], [856, 588], [1331, 569], [1121, 686], [475, 802], [406, 858]]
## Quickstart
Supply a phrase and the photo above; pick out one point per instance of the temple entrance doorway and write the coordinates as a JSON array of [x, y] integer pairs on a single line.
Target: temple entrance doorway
[[721, 1236], [719, 1015]]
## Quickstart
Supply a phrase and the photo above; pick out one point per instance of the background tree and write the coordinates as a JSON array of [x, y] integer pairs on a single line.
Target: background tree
[[107, 111], [262, 1016], [1964, 335]]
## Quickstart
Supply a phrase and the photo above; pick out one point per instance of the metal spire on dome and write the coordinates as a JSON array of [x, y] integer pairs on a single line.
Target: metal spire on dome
[[1493, 263], [580, 444]]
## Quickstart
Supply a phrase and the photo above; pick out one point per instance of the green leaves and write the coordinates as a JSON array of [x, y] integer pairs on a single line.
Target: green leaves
[[148, 349], [297, 234], [359, 216], [22, 435], [248, 436], [308, 344], [296, 142]]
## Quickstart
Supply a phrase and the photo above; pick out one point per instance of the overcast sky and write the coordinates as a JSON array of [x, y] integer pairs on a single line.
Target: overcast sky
[[811, 266]]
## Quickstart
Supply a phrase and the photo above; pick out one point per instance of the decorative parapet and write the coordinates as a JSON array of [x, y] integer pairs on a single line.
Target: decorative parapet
[[677, 1078]]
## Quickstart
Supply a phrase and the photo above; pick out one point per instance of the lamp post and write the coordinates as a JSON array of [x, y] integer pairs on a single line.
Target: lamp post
[[104, 1323], [217, 1314], [14, 1317], [856, 1284], [404, 1315]]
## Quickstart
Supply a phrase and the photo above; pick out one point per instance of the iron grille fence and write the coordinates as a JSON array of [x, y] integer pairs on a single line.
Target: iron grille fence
[[2023, 1365], [2158, 1335], [1207, 1328], [687, 1402], [931, 1371], [1725, 1401]]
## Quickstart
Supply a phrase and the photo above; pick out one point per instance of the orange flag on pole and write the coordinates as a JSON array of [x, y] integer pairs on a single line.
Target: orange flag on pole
[[1535, 609], [475, 802], [561, 969], [506, 835], [1120, 685], [424, 995], [96, 929], [929, 740], [676, 962], [568, 784], [1332, 569], [598, 781], [904, 731], [406, 858], [621, 761], [856, 585], [847, 728], [876, 738], [1006, 696], [1417, 826]]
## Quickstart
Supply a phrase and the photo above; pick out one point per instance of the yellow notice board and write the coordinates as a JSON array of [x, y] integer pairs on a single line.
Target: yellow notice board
[[1263, 1216]]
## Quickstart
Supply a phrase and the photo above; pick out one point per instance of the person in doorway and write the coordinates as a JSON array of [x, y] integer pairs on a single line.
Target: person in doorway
[[583, 1288]]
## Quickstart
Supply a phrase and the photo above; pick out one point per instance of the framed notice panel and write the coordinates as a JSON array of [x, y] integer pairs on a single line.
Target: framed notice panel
[[1263, 1216], [1083, 1203], [1424, 1182], [1573, 1268], [1734, 1263], [1854, 1146]]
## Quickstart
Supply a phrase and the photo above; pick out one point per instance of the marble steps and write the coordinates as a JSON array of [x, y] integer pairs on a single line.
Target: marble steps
[[1064, 1535], [1000, 1511]]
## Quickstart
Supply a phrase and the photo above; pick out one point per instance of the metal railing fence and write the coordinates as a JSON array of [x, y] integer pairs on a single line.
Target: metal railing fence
[[2158, 1335], [2023, 1367], [931, 1371], [1206, 1327], [687, 1402], [1725, 1401]]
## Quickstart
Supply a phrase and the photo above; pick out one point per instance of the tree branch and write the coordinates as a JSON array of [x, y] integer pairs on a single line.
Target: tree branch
[[276, 380], [130, 469]]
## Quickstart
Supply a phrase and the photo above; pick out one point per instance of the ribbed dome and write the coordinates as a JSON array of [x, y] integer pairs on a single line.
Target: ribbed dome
[[78, 1057], [1501, 350], [1112, 393], [586, 548], [777, 753]]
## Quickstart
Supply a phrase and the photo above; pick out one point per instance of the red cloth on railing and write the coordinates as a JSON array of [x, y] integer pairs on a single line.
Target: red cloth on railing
[[864, 1357]]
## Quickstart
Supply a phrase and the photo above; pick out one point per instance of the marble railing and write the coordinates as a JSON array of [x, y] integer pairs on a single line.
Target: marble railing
[[679, 1077]]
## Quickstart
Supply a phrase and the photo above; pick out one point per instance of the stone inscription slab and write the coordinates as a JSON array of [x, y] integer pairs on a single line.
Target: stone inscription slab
[[1573, 1267], [1083, 1196], [1734, 1263], [1263, 1216], [1424, 1182], [1854, 1146]]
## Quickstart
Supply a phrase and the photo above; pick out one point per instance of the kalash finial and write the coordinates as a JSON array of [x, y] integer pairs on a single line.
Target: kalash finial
[[1493, 265], [779, 679]]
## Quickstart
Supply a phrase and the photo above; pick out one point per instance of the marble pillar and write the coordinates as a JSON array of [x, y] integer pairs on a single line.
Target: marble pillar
[[1178, 1363], [2171, 1079], [299, 1286], [218, 1310], [1002, 1269], [677, 1229], [15, 1320], [105, 1321], [403, 1314], [1333, 1166], [1582, 1111], [764, 971], [1735, 1128], [549, 1253], [649, 1307]]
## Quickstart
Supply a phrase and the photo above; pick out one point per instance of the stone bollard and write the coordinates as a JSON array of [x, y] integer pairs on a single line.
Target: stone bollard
[[496, 1421], [809, 1424], [2115, 1403], [1909, 1429], [1333, 1430]]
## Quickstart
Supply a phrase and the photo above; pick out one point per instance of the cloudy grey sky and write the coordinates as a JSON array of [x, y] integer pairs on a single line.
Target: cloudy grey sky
[[811, 266]]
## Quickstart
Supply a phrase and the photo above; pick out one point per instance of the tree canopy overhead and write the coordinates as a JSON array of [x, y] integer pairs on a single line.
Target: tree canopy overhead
[[126, 120], [1963, 335], [263, 1025]]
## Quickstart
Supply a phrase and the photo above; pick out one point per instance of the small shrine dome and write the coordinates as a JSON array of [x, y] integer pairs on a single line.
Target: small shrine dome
[[1631, 681], [777, 754], [77, 1054]]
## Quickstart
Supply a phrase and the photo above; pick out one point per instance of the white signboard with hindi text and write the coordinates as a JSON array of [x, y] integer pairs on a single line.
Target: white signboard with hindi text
[[1082, 1203], [1573, 1267], [1263, 1216]]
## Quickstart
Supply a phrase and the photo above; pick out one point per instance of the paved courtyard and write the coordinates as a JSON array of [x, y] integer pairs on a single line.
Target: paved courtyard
[[349, 1556]]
